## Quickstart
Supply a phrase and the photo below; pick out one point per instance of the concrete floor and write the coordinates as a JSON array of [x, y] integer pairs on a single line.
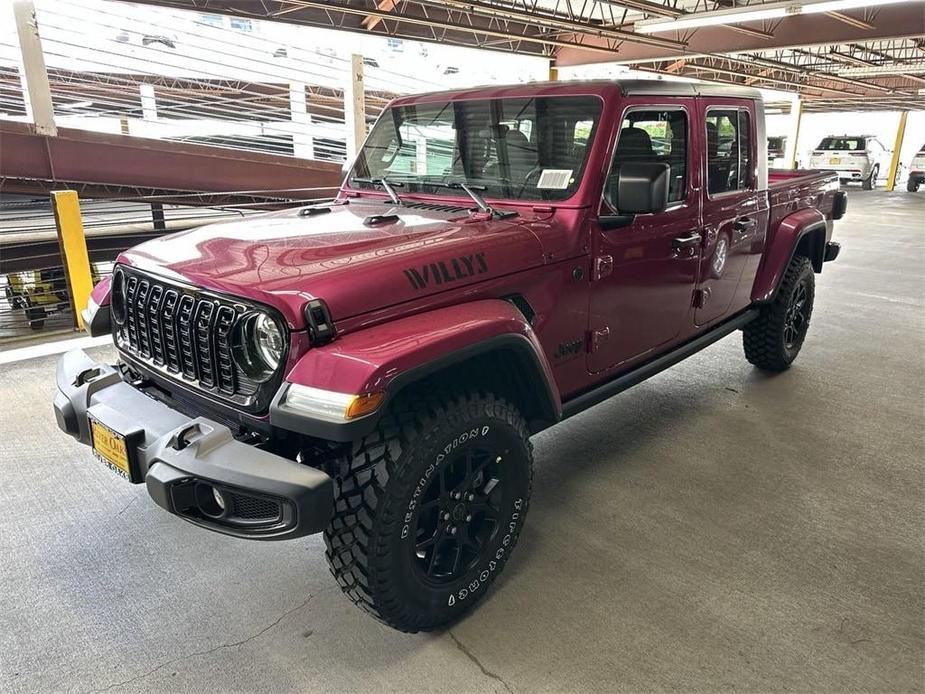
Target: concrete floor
[[712, 529]]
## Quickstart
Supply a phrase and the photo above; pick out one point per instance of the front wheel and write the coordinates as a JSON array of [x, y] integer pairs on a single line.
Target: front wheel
[[773, 340], [429, 508], [912, 185]]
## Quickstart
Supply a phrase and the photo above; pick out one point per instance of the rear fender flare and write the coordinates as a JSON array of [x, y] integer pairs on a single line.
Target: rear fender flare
[[392, 356], [808, 227]]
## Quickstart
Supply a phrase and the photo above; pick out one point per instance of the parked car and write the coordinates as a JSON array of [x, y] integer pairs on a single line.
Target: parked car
[[777, 147], [858, 158], [40, 293], [373, 368], [916, 171]]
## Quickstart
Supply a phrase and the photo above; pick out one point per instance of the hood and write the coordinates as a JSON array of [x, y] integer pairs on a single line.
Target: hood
[[354, 263]]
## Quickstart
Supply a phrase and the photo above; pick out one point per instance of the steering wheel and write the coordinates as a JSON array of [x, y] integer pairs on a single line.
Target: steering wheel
[[535, 171]]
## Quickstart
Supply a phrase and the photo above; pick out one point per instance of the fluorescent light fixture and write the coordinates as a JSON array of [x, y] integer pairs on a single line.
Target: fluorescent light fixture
[[77, 104], [755, 13], [874, 70]]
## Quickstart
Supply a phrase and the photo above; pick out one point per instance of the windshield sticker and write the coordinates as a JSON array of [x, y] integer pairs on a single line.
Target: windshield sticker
[[555, 179]]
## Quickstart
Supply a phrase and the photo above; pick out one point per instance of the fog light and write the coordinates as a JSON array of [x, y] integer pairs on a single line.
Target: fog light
[[219, 499]]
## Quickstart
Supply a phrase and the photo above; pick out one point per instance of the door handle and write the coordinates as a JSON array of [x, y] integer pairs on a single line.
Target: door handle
[[744, 225], [685, 241]]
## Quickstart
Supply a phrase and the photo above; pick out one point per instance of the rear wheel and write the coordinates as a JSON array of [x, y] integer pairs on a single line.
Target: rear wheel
[[912, 186], [869, 182], [429, 508], [773, 340]]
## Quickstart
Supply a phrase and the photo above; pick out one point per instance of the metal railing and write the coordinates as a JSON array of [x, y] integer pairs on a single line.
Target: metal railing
[[53, 250], [172, 75]]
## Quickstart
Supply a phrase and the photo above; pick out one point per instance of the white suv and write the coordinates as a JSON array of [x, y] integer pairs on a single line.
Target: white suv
[[852, 157], [916, 171]]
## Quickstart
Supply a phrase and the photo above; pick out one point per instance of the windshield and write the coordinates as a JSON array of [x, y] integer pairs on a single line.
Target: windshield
[[775, 143], [850, 144], [531, 148]]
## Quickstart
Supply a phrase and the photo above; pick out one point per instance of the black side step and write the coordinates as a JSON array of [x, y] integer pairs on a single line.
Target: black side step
[[582, 402]]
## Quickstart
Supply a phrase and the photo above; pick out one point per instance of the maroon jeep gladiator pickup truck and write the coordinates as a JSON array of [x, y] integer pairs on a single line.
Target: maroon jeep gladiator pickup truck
[[498, 259]]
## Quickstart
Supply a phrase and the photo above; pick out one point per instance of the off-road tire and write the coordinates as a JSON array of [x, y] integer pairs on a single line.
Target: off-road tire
[[912, 186], [869, 182], [766, 338], [382, 492]]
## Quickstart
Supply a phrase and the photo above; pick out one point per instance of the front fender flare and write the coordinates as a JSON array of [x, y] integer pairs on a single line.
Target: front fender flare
[[391, 356]]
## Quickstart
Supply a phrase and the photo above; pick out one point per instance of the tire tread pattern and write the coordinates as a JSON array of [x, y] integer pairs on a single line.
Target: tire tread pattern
[[359, 558], [763, 337]]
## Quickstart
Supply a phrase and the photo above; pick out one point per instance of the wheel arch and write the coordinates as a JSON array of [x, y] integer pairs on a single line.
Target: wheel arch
[[804, 232], [486, 344]]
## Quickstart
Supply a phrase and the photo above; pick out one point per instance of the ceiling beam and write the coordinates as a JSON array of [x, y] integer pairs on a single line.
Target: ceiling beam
[[853, 21], [893, 21], [383, 6]]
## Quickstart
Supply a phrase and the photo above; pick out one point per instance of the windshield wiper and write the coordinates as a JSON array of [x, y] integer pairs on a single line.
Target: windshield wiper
[[387, 185]]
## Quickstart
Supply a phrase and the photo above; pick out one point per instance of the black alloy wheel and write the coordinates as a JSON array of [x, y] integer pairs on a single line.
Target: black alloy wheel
[[795, 320], [459, 515]]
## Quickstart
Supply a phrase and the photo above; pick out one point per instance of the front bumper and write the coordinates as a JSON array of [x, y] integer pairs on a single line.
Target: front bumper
[[184, 460]]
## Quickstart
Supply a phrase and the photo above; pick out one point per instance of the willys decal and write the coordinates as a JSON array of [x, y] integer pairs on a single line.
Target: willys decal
[[447, 271]]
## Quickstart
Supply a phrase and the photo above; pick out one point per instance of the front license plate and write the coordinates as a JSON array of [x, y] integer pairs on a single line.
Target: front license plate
[[110, 447], [835, 160]]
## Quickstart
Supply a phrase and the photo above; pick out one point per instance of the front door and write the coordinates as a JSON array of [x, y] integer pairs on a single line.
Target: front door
[[733, 221], [644, 273]]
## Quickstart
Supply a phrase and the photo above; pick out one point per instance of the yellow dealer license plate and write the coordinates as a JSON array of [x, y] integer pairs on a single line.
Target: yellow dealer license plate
[[835, 160], [111, 449]]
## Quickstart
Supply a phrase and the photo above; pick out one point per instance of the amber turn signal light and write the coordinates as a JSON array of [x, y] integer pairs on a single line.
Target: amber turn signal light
[[364, 404]]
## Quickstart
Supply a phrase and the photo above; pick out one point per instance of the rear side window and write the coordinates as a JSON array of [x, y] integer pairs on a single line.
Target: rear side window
[[729, 152], [653, 136]]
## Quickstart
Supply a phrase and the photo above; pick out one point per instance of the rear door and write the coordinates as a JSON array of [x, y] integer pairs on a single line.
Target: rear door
[[644, 273], [734, 220]]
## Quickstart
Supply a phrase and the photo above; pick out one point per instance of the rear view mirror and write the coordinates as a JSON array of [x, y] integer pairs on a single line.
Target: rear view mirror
[[642, 187]]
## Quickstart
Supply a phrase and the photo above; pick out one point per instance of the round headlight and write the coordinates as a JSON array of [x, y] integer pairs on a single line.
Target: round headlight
[[269, 340], [117, 297], [258, 345]]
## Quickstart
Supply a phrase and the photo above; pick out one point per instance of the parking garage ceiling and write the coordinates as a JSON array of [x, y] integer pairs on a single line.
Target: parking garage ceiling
[[837, 54]]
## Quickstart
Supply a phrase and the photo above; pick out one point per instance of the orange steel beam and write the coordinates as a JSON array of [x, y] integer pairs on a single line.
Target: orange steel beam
[[109, 161]]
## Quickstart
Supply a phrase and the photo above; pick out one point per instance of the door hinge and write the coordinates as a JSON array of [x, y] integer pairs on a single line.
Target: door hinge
[[597, 338], [603, 266]]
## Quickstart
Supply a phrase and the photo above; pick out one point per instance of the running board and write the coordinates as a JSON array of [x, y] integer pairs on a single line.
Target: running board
[[582, 402]]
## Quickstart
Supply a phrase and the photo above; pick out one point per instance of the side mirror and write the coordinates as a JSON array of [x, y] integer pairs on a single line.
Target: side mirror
[[642, 187]]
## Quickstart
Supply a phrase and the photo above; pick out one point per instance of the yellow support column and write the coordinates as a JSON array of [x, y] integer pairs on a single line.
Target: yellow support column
[[897, 150], [553, 71], [796, 118], [74, 254]]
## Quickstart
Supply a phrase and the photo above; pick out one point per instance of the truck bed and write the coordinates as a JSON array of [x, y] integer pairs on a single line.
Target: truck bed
[[789, 191]]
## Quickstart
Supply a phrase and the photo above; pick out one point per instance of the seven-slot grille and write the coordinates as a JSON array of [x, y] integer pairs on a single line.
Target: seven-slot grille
[[182, 332]]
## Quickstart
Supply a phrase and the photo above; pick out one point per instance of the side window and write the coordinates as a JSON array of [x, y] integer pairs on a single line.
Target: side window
[[652, 136], [729, 152]]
